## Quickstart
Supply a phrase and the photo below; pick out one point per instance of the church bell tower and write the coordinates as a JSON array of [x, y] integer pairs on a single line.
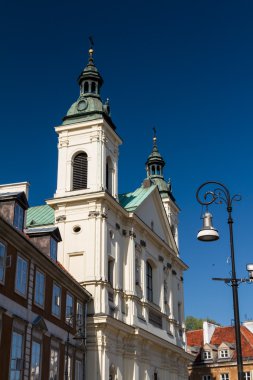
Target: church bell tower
[[88, 144]]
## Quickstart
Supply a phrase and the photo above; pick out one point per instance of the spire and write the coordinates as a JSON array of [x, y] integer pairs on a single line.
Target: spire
[[155, 163], [89, 105], [90, 81], [154, 166]]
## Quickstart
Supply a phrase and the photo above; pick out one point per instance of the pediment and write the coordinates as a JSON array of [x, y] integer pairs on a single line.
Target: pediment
[[152, 212]]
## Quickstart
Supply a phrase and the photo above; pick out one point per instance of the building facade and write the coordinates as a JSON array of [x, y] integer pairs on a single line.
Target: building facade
[[42, 307], [122, 248], [214, 351]]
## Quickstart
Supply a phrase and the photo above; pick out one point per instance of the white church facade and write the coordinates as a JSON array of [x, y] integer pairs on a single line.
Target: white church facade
[[122, 248]]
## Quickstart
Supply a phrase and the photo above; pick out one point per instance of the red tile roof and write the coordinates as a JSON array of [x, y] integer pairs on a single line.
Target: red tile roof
[[224, 335], [195, 338]]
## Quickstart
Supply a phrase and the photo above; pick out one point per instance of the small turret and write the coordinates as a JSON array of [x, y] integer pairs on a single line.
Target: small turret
[[89, 105], [154, 167]]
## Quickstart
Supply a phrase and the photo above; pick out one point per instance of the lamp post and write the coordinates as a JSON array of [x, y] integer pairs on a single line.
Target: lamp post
[[220, 194], [70, 320]]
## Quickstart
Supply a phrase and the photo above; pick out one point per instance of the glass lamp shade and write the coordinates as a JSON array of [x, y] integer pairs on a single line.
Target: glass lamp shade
[[249, 268], [208, 232]]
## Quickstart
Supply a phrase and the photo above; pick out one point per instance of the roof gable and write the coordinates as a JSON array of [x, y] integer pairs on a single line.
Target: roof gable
[[147, 204]]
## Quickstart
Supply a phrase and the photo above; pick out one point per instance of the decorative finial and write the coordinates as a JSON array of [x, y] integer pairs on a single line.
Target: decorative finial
[[91, 50], [154, 138]]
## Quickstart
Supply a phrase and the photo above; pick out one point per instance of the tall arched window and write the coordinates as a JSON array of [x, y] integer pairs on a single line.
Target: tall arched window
[[149, 278], [109, 171], [80, 171]]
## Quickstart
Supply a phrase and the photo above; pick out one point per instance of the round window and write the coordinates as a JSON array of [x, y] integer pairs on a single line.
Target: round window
[[76, 229]]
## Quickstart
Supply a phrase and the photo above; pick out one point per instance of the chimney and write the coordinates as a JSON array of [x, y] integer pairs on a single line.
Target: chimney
[[208, 330]]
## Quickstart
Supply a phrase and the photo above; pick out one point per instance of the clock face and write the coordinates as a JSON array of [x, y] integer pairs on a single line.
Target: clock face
[[82, 105]]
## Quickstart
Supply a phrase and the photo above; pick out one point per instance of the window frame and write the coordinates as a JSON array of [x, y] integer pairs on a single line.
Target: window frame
[[82, 165], [41, 305], [78, 369], [69, 315], [224, 353], [19, 216], [34, 376], [247, 375], [79, 316], [53, 249], [224, 376], [207, 355], [18, 290], [53, 375], [149, 282], [21, 356], [57, 315], [2, 280], [207, 377]]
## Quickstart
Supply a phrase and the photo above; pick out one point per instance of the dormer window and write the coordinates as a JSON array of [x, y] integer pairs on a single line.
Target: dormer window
[[53, 249], [46, 239], [19, 214], [207, 355], [12, 208], [224, 353]]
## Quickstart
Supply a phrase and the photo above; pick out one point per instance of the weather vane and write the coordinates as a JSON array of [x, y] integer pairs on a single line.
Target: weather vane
[[91, 41]]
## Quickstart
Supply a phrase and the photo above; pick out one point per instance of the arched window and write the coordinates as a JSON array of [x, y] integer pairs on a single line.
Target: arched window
[[86, 87], [153, 170], [93, 87], [80, 171], [149, 278]]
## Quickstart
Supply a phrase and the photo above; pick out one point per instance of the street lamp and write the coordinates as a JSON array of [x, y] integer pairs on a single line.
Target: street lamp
[[220, 194], [79, 335]]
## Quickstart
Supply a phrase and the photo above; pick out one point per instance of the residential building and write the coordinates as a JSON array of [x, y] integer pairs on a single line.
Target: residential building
[[122, 248], [42, 307], [214, 351]]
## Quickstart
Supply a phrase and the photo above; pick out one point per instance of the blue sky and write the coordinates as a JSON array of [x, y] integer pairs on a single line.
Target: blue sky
[[182, 66]]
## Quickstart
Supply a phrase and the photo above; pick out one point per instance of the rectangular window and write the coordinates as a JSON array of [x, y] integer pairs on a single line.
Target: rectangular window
[[54, 364], [79, 314], [110, 271], [224, 376], [69, 309], [68, 370], [207, 355], [35, 361], [79, 370], [39, 294], [246, 375], [53, 249], [16, 366], [149, 279], [223, 354], [206, 377], [18, 217], [2, 261], [56, 301], [21, 276]]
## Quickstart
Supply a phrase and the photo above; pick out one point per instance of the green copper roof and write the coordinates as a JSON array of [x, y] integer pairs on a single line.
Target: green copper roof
[[131, 201], [39, 216]]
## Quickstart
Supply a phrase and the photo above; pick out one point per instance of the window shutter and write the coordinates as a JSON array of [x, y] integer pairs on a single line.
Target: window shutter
[[80, 171]]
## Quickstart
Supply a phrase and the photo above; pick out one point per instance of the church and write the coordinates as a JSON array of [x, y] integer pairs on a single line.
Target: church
[[122, 248]]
